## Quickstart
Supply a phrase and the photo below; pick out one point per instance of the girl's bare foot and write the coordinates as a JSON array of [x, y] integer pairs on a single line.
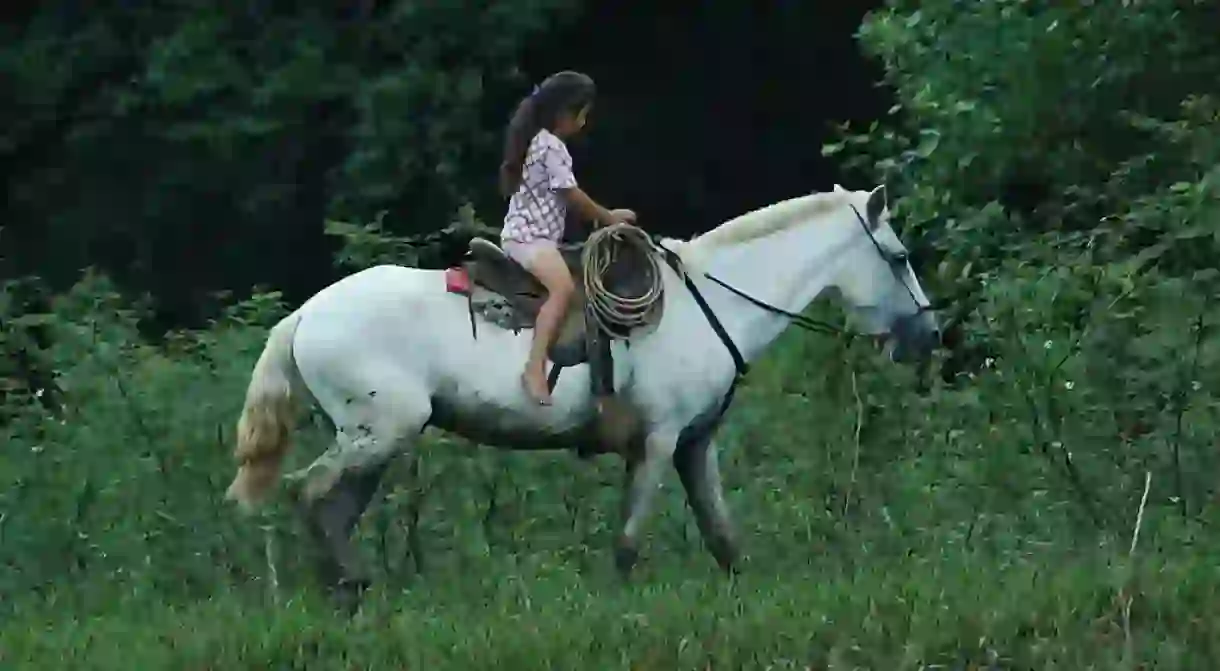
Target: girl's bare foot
[[535, 385]]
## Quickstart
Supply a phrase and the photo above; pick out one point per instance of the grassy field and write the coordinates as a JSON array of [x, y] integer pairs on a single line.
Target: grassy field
[[937, 610], [883, 530]]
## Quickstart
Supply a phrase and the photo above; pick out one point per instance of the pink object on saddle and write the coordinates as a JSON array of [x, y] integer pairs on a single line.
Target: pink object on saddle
[[457, 280]]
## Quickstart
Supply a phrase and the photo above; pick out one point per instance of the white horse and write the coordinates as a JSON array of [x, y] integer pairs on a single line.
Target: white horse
[[388, 351]]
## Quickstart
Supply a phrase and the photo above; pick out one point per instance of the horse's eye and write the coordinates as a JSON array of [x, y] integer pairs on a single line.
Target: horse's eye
[[899, 258]]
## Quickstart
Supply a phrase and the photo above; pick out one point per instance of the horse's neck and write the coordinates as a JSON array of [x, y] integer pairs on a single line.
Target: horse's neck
[[786, 270]]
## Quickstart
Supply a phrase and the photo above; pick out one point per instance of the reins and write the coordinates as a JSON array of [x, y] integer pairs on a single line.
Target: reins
[[799, 320], [802, 321], [610, 308]]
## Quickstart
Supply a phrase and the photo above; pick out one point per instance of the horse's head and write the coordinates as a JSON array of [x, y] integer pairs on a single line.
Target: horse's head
[[875, 280]]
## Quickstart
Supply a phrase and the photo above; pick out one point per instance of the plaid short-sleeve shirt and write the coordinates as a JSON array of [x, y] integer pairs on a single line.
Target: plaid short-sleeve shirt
[[537, 210]]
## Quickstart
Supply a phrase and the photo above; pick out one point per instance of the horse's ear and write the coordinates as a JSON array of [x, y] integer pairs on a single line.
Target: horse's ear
[[877, 201]]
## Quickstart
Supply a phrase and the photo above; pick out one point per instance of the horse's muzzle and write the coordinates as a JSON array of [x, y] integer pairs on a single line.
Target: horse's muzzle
[[913, 338]]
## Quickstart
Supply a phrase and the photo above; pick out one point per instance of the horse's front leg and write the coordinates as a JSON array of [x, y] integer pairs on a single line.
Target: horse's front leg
[[643, 478], [698, 466]]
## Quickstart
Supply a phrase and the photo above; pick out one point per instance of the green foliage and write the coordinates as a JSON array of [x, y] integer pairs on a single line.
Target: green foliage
[[950, 612], [942, 534], [1060, 162], [1047, 507], [1049, 119], [365, 245], [226, 132]]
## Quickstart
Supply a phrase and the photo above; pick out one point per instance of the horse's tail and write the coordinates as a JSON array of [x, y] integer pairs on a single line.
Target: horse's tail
[[265, 427]]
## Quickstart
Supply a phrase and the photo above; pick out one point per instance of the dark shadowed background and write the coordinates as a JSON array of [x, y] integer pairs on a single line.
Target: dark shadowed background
[[193, 150]]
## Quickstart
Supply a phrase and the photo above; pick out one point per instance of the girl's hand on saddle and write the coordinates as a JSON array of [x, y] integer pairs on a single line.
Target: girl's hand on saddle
[[621, 216]]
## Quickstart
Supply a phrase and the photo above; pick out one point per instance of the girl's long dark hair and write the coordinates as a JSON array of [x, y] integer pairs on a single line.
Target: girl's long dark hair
[[565, 91]]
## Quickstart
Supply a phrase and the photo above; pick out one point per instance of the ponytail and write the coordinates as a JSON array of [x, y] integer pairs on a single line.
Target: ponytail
[[565, 91], [521, 130]]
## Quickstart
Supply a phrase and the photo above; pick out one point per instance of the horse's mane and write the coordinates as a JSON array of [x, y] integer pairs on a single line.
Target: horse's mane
[[756, 224]]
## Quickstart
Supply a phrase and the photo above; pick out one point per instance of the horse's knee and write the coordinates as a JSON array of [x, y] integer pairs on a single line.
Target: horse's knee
[[365, 454], [318, 481]]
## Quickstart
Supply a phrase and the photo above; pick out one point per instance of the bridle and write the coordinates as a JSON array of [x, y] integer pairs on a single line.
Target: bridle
[[895, 262]]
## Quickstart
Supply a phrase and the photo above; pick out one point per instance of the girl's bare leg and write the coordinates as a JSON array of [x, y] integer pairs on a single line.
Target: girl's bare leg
[[549, 267]]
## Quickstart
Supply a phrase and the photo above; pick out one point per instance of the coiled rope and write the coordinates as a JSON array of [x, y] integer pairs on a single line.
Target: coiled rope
[[616, 314]]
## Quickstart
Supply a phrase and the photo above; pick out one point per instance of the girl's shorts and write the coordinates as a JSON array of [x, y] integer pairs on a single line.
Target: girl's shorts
[[525, 252]]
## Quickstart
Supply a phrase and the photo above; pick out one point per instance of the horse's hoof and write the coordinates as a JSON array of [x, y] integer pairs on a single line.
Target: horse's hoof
[[727, 556], [626, 555], [348, 595], [586, 453]]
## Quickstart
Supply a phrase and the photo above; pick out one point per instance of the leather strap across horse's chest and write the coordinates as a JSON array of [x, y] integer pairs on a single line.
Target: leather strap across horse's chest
[[739, 361]]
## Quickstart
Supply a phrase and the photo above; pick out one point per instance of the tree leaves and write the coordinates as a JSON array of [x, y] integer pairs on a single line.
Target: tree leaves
[[1064, 161], [234, 125]]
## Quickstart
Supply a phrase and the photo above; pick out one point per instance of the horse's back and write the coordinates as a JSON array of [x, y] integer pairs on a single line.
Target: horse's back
[[398, 316], [370, 310], [370, 289], [379, 279]]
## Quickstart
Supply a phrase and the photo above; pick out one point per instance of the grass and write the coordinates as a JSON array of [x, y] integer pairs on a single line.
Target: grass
[[917, 612], [935, 540]]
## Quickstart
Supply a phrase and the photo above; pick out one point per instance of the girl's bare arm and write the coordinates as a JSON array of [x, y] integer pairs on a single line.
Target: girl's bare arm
[[586, 206]]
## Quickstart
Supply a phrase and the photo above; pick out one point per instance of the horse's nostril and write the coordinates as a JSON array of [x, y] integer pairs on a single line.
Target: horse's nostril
[[951, 337]]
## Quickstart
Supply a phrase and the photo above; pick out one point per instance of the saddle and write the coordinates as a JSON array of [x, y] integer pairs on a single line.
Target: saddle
[[503, 292]]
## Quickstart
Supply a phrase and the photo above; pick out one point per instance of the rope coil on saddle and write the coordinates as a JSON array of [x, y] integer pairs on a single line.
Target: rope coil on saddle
[[614, 313]]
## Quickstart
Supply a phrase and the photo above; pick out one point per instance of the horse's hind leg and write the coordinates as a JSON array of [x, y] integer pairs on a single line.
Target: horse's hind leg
[[337, 487], [330, 521], [369, 432]]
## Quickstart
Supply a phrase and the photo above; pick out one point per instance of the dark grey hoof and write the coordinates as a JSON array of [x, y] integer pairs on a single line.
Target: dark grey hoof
[[587, 452], [727, 556], [625, 558], [347, 595]]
